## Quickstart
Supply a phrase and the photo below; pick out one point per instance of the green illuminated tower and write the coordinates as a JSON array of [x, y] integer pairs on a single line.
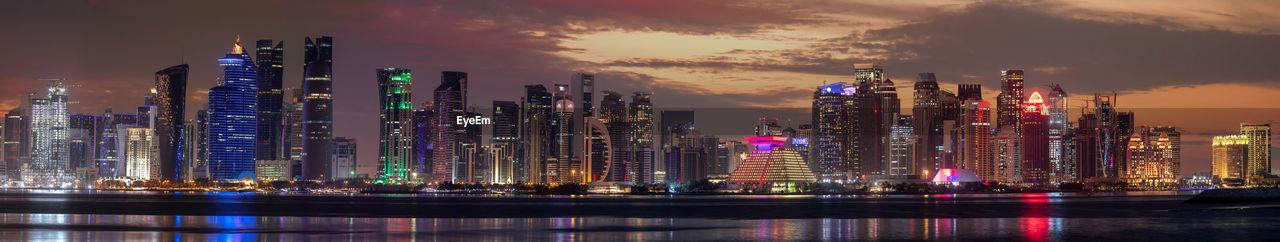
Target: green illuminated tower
[[395, 144]]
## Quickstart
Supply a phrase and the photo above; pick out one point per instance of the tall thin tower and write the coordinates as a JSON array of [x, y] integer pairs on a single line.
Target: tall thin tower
[[270, 100], [395, 146], [317, 114], [170, 100]]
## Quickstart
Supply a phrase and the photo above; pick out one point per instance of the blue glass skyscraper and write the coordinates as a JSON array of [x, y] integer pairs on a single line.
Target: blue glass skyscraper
[[233, 118]]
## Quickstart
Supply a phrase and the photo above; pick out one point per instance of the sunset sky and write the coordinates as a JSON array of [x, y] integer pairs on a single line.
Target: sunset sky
[[1167, 55]]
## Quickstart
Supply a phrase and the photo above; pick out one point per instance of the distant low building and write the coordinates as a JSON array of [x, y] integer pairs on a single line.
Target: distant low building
[[273, 170]]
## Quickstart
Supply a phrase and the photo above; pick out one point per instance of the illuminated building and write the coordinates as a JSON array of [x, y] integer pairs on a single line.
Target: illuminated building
[[502, 156], [505, 141], [771, 162], [675, 125], [450, 99], [827, 146], [1007, 156], [345, 165], [200, 169], [188, 149], [928, 125], [1060, 167], [976, 148], [233, 118], [395, 146], [1230, 153], [270, 62], [292, 125], [82, 139], [1258, 160], [1035, 141], [902, 145], [955, 176], [272, 170], [867, 73], [16, 142], [535, 133], [50, 161], [423, 125], [317, 108], [1098, 139], [641, 117], [598, 153], [1009, 103], [170, 100], [563, 166], [138, 152], [1154, 156], [613, 114]]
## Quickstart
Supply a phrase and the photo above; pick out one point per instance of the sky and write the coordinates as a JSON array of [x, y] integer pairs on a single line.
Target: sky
[[1202, 66]]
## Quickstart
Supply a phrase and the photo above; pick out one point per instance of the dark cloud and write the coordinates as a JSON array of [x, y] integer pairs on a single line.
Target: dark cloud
[[973, 44]]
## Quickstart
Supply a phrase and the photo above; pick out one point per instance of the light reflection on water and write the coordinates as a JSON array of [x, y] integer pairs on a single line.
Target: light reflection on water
[[79, 227]]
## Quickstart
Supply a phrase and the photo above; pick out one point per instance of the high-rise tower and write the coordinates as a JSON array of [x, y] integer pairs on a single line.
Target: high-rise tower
[[1035, 141], [317, 114], [50, 159], [270, 61], [396, 104], [641, 117], [450, 101], [170, 101], [233, 118], [1009, 104]]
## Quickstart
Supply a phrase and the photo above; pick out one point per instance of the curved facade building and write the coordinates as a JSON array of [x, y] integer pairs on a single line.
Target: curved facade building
[[317, 109], [233, 118], [170, 100]]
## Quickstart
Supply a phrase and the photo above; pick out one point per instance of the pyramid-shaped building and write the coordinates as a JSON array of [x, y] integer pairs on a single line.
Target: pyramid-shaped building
[[771, 162]]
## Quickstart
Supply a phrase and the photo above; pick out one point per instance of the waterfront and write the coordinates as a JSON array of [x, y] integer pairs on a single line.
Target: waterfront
[[79, 215]]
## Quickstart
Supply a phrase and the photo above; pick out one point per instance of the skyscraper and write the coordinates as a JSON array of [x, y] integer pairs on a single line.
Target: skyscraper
[[450, 101], [201, 167], [1258, 160], [1060, 170], [50, 160], [317, 114], [902, 145], [1007, 156], [1230, 155], [927, 112], [16, 142], [233, 118], [828, 146], [1035, 141], [564, 167], [423, 124], [170, 101], [613, 112], [270, 62], [1009, 104], [505, 142], [976, 148], [675, 125], [641, 117], [293, 124], [395, 147], [536, 133]]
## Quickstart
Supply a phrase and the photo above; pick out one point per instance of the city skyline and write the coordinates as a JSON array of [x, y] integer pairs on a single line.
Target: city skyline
[[348, 121]]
